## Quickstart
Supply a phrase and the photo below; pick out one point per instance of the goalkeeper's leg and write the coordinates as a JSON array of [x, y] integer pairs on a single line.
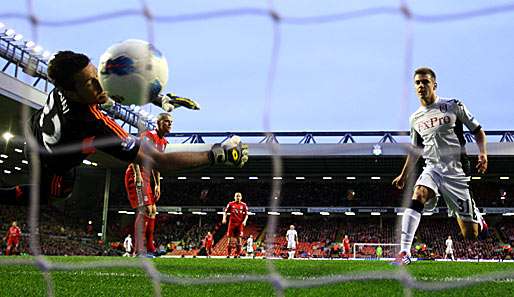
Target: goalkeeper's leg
[[17, 195], [52, 188]]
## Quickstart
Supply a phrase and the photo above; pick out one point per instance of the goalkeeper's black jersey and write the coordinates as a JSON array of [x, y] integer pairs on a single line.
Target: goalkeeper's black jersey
[[67, 132]]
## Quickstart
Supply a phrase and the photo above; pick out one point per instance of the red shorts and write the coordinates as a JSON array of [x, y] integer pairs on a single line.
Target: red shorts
[[208, 245], [235, 230], [146, 196], [13, 241]]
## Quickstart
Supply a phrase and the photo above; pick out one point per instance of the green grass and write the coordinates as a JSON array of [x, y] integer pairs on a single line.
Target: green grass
[[26, 280]]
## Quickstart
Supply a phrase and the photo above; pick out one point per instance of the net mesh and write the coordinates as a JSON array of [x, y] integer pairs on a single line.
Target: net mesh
[[278, 21]]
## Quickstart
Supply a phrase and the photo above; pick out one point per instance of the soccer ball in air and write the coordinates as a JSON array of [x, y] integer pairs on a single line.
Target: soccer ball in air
[[133, 72]]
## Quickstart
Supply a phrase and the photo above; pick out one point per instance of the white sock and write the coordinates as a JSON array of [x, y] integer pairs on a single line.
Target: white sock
[[480, 220], [410, 222]]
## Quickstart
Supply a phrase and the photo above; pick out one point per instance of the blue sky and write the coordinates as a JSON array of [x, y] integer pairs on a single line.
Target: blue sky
[[339, 76]]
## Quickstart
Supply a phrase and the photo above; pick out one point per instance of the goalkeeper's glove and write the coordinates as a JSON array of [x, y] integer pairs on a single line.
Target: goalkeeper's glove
[[232, 152], [171, 101], [107, 105]]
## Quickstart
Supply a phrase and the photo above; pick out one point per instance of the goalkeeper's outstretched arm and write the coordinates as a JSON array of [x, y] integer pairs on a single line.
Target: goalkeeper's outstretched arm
[[231, 152]]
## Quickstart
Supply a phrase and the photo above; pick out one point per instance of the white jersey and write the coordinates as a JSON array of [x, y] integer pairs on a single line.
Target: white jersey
[[127, 244], [449, 245], [291, 235], [249, 245], [438, 128]]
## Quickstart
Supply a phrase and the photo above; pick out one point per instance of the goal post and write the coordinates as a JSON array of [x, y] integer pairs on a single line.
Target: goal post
[[368, 250]]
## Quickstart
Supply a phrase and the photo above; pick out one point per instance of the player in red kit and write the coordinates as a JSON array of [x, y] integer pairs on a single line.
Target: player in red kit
[[141, 194], [238, 215], [72, 126], [209, 241], [13, 239], [346, 246]]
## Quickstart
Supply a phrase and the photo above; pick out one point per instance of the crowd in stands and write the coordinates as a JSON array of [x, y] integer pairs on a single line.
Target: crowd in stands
[[435, 232], [54, 238], [318, 236], [183, 233], [360, 192], [258, 193], [172, 233], [507, 228], [323, 238]]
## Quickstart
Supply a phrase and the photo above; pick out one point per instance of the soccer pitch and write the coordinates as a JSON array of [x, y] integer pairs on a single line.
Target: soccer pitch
[[27, 280]]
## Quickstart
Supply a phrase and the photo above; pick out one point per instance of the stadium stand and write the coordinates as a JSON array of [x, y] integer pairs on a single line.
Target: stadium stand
[[315, 192], [318, 236], [56, 236]]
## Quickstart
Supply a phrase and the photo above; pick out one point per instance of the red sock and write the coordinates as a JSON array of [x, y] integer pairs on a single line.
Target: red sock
[[139, 231], [150, 226]]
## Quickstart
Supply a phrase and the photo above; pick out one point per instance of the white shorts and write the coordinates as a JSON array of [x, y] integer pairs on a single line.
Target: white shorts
[[249, 250], [449, 251], [291, 245], [455, 191]]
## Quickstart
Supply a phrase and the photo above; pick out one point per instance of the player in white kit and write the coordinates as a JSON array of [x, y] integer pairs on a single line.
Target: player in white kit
[[249, 246], [127, 244], [449, 248], [292, 241], [437, 129]]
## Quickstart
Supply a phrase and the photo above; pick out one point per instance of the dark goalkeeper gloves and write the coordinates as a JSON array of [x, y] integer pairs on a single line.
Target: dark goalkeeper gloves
[[231, 152], [171, 101]]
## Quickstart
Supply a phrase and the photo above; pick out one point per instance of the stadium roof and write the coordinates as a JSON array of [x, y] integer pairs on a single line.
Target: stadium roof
[[379, 154], [311, 158]]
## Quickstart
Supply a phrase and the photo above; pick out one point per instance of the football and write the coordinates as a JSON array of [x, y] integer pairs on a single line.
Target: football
[[133, 72]]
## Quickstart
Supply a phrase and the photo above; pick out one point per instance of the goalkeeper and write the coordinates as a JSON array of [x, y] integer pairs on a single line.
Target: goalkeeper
[[71, 127]]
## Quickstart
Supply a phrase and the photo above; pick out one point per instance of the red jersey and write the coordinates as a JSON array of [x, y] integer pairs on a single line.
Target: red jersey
[[14, 233], [346, 242], [157, 142], [237, 211], [208, 239], [152, 137]]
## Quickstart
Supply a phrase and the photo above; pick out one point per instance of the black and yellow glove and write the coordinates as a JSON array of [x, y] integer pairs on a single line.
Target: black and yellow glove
[[231, 152], [171, 101]]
